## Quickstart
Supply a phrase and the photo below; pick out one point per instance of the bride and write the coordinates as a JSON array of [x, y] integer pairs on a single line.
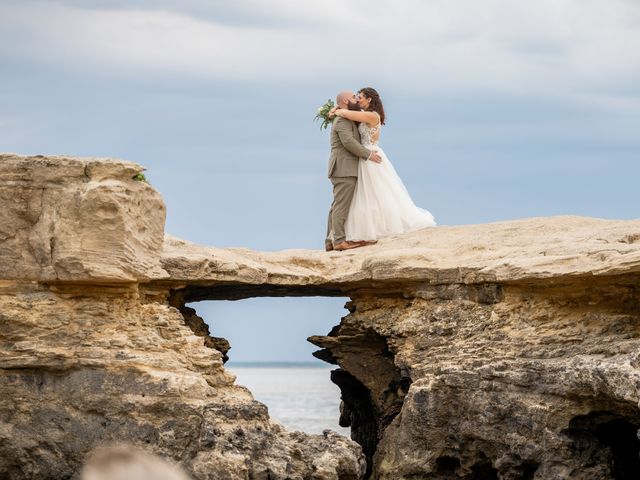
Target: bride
[[381, 205]]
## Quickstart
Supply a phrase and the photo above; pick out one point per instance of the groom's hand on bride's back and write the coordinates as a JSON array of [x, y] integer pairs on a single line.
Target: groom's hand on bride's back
[[375, 157]]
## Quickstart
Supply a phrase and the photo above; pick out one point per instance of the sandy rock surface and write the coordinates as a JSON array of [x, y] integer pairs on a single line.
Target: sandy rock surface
[[519, 250], [78, 219], [508, 350], [94, 350]]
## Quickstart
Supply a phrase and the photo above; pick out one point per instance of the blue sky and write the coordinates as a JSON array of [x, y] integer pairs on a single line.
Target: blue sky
[[496, 110]]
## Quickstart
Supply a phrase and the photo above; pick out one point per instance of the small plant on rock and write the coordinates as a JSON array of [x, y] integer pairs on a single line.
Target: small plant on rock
[[140, 177]]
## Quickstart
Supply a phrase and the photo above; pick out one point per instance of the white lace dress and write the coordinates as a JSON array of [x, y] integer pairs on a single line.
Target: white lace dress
[[381, 204]]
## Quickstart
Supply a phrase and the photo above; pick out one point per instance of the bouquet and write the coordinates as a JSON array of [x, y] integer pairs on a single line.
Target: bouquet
[[323, 114]]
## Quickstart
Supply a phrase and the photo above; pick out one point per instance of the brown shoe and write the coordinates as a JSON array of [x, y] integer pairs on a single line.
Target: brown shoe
[[328, 246], [346, 246]]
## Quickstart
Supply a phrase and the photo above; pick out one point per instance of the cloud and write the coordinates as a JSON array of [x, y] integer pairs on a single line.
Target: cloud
[[559, 47]]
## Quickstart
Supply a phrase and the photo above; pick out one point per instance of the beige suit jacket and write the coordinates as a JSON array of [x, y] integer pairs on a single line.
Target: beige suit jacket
[[346, 149]]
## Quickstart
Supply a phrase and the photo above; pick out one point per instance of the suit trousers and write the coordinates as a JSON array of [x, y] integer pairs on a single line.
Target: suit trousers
[[343, 190]]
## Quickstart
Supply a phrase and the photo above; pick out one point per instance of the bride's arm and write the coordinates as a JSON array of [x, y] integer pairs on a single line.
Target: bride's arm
[[365, 117]]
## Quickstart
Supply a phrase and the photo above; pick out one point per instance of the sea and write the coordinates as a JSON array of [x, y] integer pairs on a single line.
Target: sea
[[300, 396]]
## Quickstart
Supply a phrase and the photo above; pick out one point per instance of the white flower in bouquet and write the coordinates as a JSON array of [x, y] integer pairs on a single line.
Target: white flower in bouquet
[[323, 114]]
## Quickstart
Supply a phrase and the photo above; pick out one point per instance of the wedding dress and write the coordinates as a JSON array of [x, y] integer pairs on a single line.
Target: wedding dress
[[381, 204]]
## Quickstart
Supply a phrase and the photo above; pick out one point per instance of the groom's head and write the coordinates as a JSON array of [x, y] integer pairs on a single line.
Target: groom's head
[[347, 99]]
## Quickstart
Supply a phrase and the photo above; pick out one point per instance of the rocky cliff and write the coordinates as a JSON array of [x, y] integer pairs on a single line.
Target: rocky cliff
[[499, 351]]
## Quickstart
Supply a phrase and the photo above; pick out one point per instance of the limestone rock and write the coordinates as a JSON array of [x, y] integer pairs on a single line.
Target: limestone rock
[[78, 219], [541, 383], [93, 352], [501, 351], [508, 350], [529, 250], [82, 366]]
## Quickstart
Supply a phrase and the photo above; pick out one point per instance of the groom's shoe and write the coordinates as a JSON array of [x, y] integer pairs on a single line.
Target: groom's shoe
[[328, 246], [346, 246]]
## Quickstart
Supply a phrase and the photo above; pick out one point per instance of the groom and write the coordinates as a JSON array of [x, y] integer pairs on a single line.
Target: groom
[[346, 152]]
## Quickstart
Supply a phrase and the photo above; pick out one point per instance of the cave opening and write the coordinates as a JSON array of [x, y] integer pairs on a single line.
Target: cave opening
[[264, 343], [357, 412], [270, 329], [447, 466], [613, 434], [484, 470]]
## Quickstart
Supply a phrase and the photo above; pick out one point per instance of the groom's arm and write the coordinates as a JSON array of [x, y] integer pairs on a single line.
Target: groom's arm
[[345, 134]]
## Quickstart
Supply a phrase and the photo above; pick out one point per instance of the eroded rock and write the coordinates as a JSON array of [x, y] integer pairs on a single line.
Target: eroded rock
[[544, 384], [508, 350], [93, 352], [78, 219]]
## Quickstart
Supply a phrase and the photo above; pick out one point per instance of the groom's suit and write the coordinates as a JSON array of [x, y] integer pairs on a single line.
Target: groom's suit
[[346, 152]]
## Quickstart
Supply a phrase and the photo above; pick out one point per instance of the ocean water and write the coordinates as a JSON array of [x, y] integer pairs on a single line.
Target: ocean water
[[299, 396]]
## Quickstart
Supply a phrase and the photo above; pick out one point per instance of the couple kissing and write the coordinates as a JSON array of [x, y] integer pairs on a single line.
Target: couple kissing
[[369, 199]]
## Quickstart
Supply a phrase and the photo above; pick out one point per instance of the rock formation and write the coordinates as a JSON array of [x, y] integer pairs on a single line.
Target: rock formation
[[499, 351], [92, 351]]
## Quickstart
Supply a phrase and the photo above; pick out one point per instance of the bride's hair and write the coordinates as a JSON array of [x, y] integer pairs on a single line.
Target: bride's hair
[[376, 103]]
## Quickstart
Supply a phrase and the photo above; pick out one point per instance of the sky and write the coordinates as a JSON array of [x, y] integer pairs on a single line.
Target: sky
[[497, 110]]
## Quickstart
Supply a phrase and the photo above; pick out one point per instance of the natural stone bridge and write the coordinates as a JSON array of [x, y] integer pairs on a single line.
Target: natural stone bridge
[[499, 351]]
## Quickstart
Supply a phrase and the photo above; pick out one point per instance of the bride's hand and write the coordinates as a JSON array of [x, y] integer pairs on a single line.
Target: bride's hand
[[332, 112], [340, 112]]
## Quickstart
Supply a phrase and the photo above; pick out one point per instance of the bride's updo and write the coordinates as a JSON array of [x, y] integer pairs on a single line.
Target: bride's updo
[[375, 104]]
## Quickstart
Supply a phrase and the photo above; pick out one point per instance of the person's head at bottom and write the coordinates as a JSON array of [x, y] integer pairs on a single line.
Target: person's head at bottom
[[125, 462]]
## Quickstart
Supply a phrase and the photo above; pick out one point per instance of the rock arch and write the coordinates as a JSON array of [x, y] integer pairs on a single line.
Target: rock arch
[[479, 351]]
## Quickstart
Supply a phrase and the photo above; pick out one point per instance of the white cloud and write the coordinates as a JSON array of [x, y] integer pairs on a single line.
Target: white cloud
[[548, 46]]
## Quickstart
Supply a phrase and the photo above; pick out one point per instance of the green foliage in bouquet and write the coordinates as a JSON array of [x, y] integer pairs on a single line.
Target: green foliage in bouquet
[[323, 114]]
